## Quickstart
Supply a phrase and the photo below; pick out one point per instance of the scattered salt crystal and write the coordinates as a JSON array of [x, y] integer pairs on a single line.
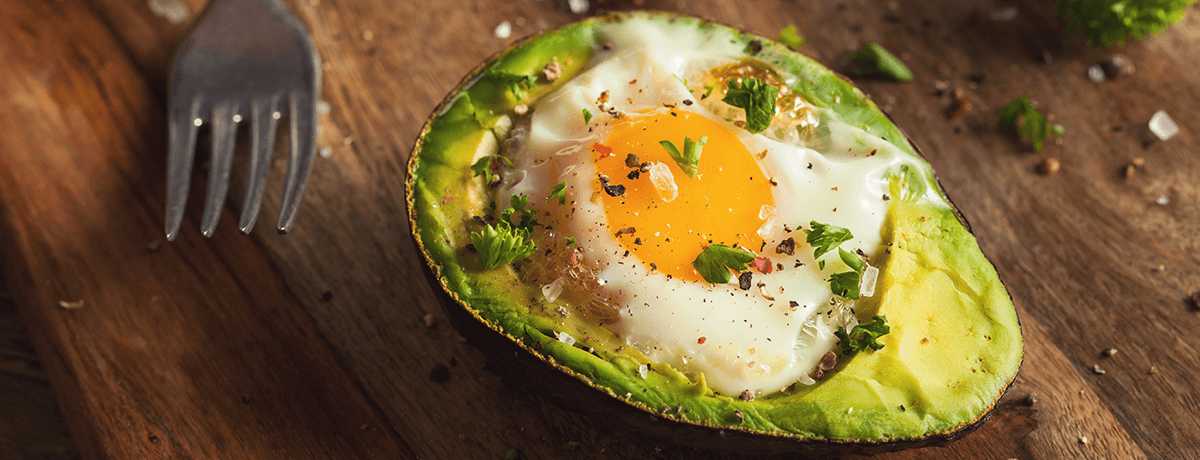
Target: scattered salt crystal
[[326, 152], [1163, 126], [1095, 73], [323, 107], [643, 371], [578, 6], [664, 181], [553, 290], [1004, 14], [1163, 200], [504, 30], [867, 287], [174, 11], [564, 338], [70, 305]]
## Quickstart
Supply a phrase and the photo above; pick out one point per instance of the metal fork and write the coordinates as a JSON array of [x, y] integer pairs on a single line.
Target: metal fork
[[246, 61]]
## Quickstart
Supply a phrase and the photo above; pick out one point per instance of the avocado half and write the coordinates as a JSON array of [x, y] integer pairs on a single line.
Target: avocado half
[[955, 344]]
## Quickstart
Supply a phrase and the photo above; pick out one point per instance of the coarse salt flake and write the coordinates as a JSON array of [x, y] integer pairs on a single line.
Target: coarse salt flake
[[664, 181], [551, 291], [866, 287], [504, 30], [1163, 126], [565, 338]]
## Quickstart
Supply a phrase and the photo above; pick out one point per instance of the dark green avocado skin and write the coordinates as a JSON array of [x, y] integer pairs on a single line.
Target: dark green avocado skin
[[530, 370]]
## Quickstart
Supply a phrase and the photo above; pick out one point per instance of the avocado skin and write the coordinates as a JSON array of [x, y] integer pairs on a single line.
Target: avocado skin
[[562, 383]]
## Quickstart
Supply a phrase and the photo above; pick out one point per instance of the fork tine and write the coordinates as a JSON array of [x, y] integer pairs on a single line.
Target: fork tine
[[302, 112], [181, 138], [224, 135], [264, 118]]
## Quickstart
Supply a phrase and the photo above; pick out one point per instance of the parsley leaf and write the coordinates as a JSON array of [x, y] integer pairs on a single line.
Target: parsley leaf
[[863, 336], [846, 284], [791, 37], [1022, 117], [559, 192], [756, 98], [715, 262], [587, 116], [1109, 22], [515, 83], [488, 167], [519, 208], [824, 237], [873, 60], [502, 244], [689, 159]]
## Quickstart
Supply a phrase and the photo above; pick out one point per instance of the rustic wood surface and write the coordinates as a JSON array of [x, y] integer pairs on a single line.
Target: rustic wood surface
[[314, 344]]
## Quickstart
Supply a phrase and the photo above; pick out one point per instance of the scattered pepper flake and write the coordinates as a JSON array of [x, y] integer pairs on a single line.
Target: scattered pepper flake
[[701, 340], [747, 395], [1049, 166], [744, 280], [762, 264]]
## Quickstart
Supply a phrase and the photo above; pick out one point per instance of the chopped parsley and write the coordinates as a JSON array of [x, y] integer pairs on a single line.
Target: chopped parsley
[[516, 84], [824, 237], [1022, 117], [587, 116], [846, 284], [1110, 22], [790, 36], [559, 192], [488, 166], [755, 97], [863, 336], [570, 241], [873, 60], [519, 208], [717, 262], [689, 159]]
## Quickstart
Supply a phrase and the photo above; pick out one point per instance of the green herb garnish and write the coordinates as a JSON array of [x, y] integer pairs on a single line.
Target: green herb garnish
[[516, 84], [790, 36], [716, 261], [824, 237], [863, 336], [689, 159], [756, 98], [519, 208], [846, 284], [486, 166], [587, 116], [1112, 22], [559, 192], [873, 60], [1022, 117], [509, 239]]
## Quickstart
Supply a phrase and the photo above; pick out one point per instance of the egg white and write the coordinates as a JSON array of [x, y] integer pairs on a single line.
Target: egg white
[[751, 340]]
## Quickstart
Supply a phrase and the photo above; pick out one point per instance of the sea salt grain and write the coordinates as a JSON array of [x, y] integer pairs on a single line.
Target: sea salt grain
[[504, 30], [1163, 200], [1163, 126], [664, 182], [578, 6], [565, 338], [867, 287], [1095, 73], [174, 11], [553, 290]]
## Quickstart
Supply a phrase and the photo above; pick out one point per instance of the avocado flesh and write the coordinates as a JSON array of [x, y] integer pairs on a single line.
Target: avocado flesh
[[955, 343]]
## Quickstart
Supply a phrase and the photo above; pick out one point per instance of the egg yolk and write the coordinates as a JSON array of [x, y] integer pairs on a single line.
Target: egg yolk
[[721, 204]]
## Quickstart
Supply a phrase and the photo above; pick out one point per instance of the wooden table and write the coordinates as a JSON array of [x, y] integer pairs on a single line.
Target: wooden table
[[315, 344]]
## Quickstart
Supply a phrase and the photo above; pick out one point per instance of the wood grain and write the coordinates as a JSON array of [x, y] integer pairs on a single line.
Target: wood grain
[[314, 344]]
